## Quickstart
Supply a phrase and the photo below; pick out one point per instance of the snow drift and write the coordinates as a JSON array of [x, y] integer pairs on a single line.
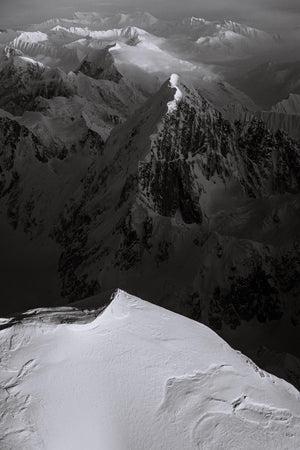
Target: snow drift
[[136, 377]]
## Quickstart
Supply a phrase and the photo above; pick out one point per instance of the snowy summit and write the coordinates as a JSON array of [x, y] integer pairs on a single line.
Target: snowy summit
[[136, 377]]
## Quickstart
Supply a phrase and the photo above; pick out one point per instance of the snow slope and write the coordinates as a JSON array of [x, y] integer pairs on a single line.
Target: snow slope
[[136, 377], [234, 38]]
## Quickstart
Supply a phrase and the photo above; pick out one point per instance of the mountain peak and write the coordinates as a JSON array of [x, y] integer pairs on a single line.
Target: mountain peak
[[174, 80], [120, 359], [183, 91], [99, 64], [290, 105], [175, 83], [195, 21]]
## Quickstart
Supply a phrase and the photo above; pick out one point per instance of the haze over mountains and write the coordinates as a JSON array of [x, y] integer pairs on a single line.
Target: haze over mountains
[[160, 157], [276, 15]]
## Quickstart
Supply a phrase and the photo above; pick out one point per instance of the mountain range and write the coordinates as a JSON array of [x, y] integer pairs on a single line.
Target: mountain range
[[139, 153]]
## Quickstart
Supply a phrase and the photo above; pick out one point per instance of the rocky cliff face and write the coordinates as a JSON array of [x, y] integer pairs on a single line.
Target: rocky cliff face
[[99, 64], [178, 198], [53, 124], [35, 179], [22, 84]]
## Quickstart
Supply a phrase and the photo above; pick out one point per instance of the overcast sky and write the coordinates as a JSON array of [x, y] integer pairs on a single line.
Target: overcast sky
[[270, 14]]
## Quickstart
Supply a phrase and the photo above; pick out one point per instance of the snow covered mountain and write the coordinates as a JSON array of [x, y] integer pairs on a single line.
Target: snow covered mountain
[[147, 49], [186, 177], [291, 105], [53, 123], [100, 21], [182, 191], [135, 376], [231, 38], [206, 210], [62, 122]]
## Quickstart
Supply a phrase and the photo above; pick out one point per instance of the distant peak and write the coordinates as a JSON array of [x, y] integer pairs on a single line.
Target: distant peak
[[32, 37], [289, 105], [195, 21]]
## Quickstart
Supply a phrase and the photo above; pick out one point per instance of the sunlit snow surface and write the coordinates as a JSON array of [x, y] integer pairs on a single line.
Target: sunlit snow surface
[[135, 377]]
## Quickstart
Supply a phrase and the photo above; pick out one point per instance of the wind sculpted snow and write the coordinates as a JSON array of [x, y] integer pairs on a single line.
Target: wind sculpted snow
[[136, 377]]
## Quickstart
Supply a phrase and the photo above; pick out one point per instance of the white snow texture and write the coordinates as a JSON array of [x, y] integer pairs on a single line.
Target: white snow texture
[[136, 377]]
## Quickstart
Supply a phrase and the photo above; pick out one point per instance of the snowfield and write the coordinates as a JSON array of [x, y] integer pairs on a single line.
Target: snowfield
[[135, 377]]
